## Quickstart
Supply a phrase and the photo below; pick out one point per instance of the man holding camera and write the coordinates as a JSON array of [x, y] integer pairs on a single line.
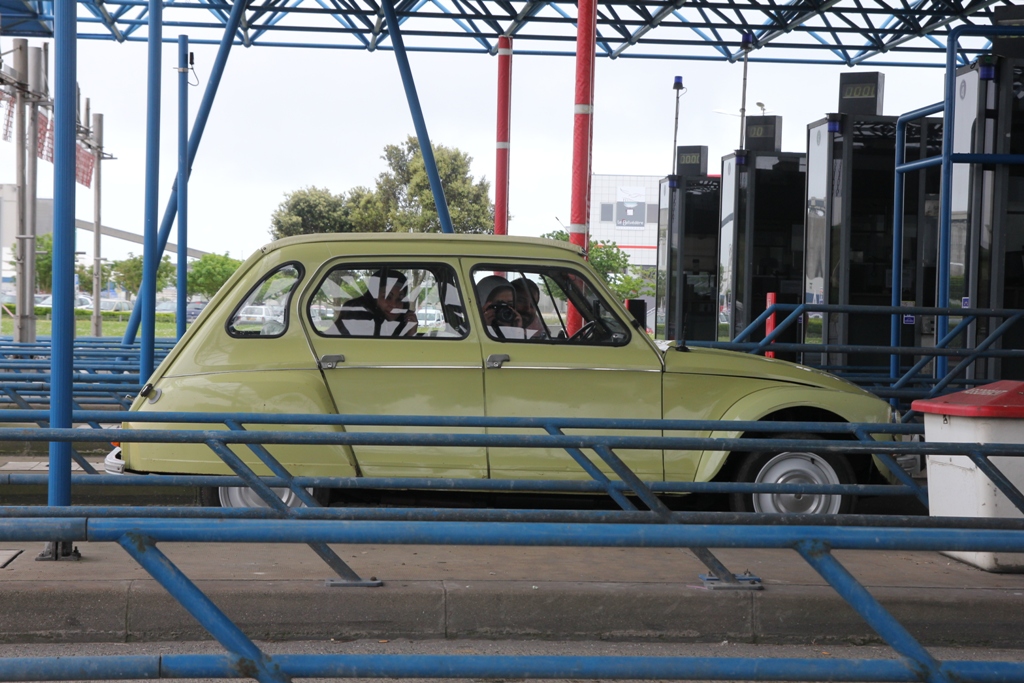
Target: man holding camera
[[498, 304]]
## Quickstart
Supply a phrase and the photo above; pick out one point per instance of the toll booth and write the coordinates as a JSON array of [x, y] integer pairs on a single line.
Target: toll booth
[[686, 289], [987, 201], [848, 229], [761, 240]]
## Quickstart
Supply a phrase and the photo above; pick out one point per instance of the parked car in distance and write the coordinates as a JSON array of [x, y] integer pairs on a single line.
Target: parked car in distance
[[116, 305], [166, 306], [81, 301], [430, 317], [193, 309], [265, 341], [250, 316]]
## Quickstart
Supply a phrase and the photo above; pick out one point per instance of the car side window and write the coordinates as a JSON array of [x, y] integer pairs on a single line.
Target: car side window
[[389, 301], [536, 303], [264, 310]]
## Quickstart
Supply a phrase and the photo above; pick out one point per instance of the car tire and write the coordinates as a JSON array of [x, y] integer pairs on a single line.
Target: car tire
[[233, 496], [794, 466]]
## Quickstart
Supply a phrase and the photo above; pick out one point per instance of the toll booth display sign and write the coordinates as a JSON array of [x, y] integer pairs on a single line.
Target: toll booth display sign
[[764, 133], [692, 160], [861, 93]]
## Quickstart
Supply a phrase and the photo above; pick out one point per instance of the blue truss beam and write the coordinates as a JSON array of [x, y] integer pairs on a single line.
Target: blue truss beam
[[796, 31]]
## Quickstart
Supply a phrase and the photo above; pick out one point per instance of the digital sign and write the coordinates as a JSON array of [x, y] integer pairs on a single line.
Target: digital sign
[[859, 90], [692, 160], [861, 93], [763, 134]]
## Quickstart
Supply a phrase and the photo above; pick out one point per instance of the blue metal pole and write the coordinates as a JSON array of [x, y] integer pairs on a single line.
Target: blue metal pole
[[182, 183], [897, 228], [199, 606], [925, 666], [61, 360], [150, 255], [946, 196], [202, 116], [420, 124]]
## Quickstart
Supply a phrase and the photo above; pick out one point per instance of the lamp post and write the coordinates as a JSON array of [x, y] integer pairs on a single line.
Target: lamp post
[[677, 85], [746, 43]]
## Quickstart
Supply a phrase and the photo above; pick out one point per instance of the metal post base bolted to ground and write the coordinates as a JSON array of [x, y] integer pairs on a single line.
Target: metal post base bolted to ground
[[59, 550]]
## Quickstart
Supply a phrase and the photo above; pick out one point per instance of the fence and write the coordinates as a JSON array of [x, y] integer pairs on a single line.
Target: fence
[[906, 376], [139, 531]]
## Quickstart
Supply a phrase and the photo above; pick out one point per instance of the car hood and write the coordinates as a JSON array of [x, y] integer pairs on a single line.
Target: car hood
[[703, 361]]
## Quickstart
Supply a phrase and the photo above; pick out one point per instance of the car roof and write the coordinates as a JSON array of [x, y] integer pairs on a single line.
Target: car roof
[[437, 243]]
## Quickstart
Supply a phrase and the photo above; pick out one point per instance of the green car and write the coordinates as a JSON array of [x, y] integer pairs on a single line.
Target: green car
[[518, 327]]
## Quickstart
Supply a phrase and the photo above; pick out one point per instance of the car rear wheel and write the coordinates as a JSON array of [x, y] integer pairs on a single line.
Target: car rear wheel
[[795, 466], [244, 497]]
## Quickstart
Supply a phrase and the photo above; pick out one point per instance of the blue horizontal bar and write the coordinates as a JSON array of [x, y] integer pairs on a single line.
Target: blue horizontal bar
[[497, 666], [514, 515], [513, 534], [500, 485], [917, 165], [453, 421], [492, 440]]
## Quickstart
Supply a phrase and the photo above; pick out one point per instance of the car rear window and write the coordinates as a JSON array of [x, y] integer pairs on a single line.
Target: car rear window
[[264, 310], [404, 301]]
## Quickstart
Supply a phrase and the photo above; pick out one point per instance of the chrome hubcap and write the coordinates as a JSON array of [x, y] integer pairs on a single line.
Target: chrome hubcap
[[244, 497], [797, 468]]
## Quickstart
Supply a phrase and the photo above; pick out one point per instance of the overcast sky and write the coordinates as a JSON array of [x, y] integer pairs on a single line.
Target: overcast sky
[[287, 118]]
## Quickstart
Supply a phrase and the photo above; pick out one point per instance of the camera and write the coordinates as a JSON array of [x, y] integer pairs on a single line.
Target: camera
[[504, 314]]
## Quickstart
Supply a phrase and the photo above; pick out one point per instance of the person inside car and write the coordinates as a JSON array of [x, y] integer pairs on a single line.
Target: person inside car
[[383, 310], [498, 308], [527, 299]]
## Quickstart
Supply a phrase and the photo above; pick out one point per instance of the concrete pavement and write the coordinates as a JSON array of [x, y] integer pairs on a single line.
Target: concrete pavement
[[278, 592]]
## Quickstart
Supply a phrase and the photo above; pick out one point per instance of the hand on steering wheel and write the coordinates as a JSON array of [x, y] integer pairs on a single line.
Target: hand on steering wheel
[[585, 333]]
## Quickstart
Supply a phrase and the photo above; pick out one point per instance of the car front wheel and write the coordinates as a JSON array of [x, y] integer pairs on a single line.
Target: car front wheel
[[795, 466]]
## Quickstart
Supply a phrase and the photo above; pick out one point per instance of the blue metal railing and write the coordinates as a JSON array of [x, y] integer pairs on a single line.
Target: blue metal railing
[[104, 373], [140, 530], [912, 384]]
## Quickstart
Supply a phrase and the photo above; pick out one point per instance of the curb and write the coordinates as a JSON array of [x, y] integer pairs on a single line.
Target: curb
[[139, 610]]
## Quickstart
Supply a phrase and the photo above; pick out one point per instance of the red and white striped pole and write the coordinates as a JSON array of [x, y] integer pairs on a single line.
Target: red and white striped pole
[[504, 116], [582, 133]]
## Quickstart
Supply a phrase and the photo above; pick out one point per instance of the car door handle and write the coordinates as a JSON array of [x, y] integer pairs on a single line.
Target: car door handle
[[496, 359], [330, 362]]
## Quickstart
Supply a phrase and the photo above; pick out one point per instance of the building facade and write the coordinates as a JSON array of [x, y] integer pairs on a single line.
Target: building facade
[[624, 210]]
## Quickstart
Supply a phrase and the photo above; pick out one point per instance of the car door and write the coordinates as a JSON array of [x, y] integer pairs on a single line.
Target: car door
[[387, 362], [534, 365]]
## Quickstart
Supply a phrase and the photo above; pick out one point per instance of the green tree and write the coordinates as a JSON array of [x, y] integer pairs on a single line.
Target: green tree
[[84, 272], [128, 273], [404, 191], [308, 211], [401, 200], [611, 262], [44, 262], [209, 273]]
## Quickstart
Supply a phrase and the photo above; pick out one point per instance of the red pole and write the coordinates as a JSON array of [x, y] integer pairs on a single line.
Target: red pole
[[504, 115], [769, 324], [582, 134]]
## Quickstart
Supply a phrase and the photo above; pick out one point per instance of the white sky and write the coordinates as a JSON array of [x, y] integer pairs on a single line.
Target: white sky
[[290, 118]]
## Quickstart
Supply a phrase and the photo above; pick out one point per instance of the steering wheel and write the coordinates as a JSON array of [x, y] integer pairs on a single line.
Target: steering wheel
[[585, 333]]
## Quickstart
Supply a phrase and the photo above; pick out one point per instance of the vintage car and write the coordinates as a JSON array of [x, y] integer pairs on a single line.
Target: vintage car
[[506, 346]]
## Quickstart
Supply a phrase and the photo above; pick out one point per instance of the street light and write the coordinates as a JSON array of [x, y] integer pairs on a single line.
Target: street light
[[677, 85]]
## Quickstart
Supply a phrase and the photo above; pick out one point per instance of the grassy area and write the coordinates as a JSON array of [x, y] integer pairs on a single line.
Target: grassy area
[[83, 328]]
